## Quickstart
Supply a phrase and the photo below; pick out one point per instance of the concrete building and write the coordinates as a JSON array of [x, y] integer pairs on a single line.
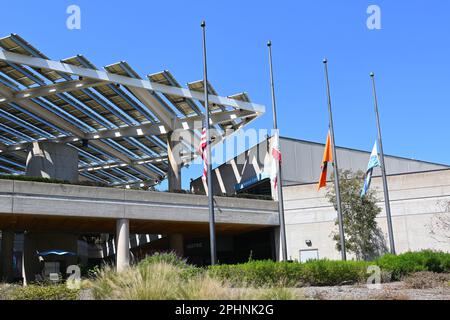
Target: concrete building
[[90, 144], [108, 131], [418, 190]]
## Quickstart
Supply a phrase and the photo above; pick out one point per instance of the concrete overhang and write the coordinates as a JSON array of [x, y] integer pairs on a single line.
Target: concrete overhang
[[35, 206]]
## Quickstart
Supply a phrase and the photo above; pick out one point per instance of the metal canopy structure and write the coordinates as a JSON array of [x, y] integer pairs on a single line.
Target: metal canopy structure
[[125, 118]]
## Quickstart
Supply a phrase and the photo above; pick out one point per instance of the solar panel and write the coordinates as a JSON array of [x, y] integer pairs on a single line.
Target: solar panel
[[61, 113]]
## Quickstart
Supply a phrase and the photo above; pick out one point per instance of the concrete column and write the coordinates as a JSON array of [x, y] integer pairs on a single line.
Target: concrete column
[[53, 160], [176, 243], [7, 255], [174, 157], [122, 245]]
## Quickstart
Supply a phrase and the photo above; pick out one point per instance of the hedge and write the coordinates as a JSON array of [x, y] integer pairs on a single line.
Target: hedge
[[327, 272], [270, 273], [410, 262], [44, 292]]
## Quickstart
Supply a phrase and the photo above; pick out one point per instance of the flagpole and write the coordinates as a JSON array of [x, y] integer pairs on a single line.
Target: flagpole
[[383, 170], [335, 166], [212, 229], [279, 181]]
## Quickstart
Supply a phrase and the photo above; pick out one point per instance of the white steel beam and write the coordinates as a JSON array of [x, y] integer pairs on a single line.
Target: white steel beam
[[126, 81], [43, 91], [190, 123]]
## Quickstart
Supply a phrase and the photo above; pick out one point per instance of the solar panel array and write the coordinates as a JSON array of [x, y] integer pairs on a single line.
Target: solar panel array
[[92, 109]]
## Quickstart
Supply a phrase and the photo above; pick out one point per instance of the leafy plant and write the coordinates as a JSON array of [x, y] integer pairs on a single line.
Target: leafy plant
[[363, 237], [410, 262], [278, 274], [44, 292]]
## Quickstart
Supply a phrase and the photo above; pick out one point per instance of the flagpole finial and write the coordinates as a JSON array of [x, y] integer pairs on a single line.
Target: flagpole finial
[[269, 43], [325, 60], [372, 74], [203, 24]]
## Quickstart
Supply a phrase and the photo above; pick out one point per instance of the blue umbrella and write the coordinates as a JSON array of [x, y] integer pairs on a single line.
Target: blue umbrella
[[55, 252]]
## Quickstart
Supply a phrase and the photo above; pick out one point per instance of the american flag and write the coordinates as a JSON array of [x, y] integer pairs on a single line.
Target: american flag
[[204, 152], [276, 154]]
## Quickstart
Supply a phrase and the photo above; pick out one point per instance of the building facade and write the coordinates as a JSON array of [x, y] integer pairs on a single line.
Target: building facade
[[419, 191]]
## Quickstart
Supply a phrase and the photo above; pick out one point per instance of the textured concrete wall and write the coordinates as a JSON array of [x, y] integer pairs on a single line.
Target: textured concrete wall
[[415, 199], [53, 160], [48, 199]]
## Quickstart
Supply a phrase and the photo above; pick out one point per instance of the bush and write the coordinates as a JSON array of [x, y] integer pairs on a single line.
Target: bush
[[163, 257], [41, 292], [410, 262], [312, 273], [186, 270], [328, 273]]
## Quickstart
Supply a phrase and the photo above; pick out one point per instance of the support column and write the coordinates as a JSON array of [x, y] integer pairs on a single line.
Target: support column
[[122, 245], [7, 255], [174, 157], [176, 243], [52, 160]]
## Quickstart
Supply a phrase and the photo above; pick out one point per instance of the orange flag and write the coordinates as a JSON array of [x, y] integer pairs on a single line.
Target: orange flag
[[327, 157]]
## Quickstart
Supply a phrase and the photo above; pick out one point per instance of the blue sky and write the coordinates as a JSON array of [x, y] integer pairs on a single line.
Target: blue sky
[[410, 56]]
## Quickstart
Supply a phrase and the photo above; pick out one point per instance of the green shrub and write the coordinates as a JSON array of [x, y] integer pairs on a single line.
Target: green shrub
[[327, 272], [44, 292], [291, 274], [163, 257], [186, 270], [410, 262], [330, 273]]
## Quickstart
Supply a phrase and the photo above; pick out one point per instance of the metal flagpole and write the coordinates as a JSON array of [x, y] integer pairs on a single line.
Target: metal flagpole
[[383, 170], [279, 181], [335, 166], [212, 229]]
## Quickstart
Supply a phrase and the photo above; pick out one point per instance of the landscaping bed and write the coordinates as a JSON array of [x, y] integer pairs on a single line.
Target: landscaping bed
[[412, 275]]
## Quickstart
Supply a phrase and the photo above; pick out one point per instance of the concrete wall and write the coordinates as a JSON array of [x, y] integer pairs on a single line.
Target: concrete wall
[[415, 200], [302, 161], [46, 199], [53, 160], [300, 164]]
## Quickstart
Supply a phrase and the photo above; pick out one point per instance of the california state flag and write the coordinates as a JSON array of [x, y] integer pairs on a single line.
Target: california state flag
[[276, 155], [327, 157]]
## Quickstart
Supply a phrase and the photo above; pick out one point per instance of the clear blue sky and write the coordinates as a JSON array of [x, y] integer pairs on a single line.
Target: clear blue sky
[[410, 56]]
